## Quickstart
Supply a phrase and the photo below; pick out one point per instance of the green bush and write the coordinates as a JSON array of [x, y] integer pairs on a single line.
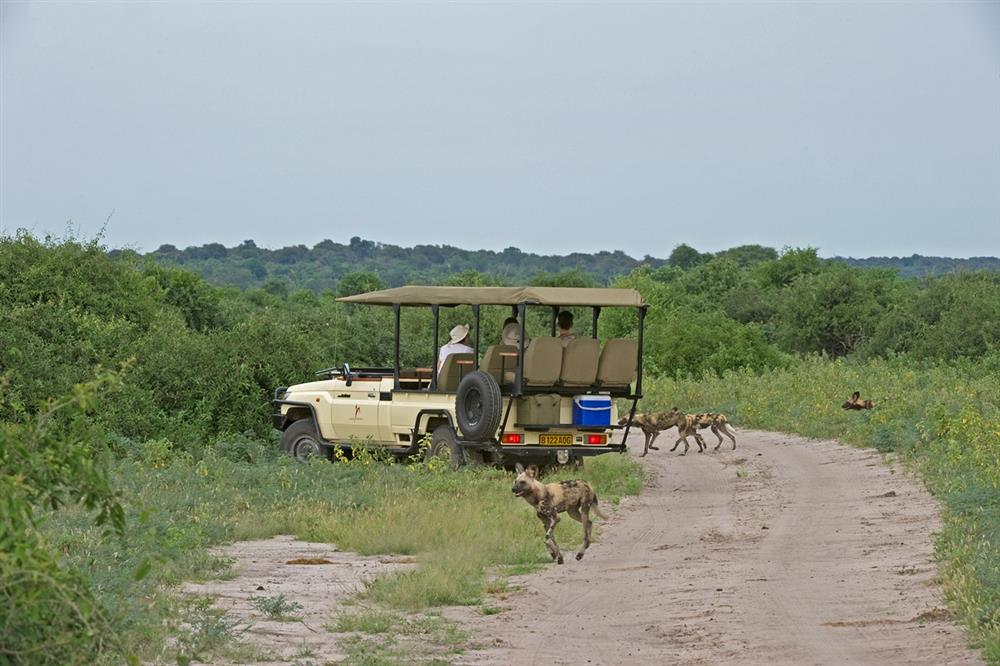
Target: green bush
[[48, 611]]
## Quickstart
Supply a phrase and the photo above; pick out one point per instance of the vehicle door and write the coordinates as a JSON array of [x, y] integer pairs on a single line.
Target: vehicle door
[[356, 411]]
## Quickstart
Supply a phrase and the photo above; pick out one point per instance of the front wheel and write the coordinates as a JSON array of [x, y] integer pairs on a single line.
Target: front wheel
[[301, 441]]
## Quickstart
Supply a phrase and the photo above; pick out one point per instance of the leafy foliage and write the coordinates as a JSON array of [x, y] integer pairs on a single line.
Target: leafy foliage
[[48, 612]]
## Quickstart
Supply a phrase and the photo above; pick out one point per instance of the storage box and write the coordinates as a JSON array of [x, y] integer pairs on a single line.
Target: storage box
[[592, 410], [539, 409]]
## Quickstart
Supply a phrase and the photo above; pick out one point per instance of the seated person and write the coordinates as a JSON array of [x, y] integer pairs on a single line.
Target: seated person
[[511, 333], [458, 344], [565, 323]]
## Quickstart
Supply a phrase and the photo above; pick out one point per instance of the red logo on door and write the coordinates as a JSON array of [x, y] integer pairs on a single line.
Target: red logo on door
[[357, 408]]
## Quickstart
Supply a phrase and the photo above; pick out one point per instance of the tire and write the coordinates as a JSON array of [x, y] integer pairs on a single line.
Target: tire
[[445, 446], [301, 441], [478, 406]]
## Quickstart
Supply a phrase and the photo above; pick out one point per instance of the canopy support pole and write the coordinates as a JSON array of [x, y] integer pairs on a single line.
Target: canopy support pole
[[395, 368], [475, 314], [434, 368], [519, 379]]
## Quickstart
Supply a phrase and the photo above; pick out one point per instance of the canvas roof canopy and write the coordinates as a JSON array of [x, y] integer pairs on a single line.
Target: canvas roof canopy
[[562, 296]]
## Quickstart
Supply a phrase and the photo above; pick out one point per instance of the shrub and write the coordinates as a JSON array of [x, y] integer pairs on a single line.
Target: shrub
[[48, 613]]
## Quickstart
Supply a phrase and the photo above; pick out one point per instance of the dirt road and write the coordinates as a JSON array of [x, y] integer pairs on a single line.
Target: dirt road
[[785, 551]]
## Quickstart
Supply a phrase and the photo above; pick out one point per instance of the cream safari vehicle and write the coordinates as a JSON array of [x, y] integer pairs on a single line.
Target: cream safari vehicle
[[542, 402]]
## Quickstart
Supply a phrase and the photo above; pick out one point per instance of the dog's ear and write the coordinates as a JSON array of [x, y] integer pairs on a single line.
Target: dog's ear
[[533, 471], [519, 468], [856, 395]]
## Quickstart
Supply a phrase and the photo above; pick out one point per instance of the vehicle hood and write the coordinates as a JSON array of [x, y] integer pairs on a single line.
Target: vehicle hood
[[324, 385]]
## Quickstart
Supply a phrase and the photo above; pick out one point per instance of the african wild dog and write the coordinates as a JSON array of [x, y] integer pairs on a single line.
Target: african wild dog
[[686, 425], [651, 424], [575, 497], [716, 422], [855, 402]]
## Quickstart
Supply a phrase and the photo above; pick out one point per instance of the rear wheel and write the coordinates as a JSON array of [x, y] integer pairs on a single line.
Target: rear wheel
[[444, 447], [301, 441], [478, 406]]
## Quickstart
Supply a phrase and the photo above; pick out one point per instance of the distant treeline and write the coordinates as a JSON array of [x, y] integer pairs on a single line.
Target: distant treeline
[[322, 267], [920, 266]]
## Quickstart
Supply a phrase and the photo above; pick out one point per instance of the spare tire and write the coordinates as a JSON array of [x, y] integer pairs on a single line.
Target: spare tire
[[477, 406]]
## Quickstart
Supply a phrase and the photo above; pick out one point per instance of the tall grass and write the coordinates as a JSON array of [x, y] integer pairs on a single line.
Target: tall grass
[[460, 526], [943, 419]]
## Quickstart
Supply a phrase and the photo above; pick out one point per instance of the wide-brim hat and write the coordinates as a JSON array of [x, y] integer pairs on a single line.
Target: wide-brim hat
[[458, 333], [511, 334]]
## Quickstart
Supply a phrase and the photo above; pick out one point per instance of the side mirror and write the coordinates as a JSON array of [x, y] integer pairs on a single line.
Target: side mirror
[[346, 370]]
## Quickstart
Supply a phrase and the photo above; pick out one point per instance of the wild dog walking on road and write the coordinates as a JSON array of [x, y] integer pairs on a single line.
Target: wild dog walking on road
[[575, 497], [686, 426], [717, 422], [651, 424]]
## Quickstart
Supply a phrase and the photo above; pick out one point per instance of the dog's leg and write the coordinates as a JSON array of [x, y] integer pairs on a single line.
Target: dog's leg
[[729, 433], [677, 443], [550, 540], [715, 431], [655, 434], [682, 437], [585, 519], [549, 543], [702, 446], [645, 447]]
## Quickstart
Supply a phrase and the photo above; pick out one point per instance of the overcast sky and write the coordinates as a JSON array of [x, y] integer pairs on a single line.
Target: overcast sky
[[860, 129]]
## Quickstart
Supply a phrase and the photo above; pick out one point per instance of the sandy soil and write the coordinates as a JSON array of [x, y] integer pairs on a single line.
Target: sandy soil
[[315, 575], [785, 551]]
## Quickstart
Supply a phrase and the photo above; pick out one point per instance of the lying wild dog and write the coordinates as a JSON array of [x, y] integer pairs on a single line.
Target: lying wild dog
[[855, 402], [686, 425], [716, 422], [575, 497], [651, 424]]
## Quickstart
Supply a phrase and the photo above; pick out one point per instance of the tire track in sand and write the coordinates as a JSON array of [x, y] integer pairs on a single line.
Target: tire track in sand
[[785, 551]]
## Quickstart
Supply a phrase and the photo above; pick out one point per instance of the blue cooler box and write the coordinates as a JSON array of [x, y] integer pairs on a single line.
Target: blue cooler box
[[592, 410]]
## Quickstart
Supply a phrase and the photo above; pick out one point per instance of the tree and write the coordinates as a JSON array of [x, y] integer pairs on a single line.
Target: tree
[[358, 282], [686, 257], [791, 264], [834, 311], [748, 255], [247, 249], [195, 298]]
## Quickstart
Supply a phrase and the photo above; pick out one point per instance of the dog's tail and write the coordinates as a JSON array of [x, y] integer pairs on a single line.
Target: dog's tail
[[597, 509]]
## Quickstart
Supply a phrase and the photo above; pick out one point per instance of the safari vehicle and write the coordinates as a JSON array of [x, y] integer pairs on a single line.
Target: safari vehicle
[[537, 402]]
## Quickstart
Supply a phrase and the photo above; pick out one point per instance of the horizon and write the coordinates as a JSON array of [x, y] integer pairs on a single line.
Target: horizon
[[663, 257]]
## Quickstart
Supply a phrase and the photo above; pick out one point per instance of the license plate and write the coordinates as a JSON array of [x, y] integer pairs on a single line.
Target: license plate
[[556, 440]]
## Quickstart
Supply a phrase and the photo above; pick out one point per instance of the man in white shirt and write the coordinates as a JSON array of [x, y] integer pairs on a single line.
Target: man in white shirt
[[458, 344]]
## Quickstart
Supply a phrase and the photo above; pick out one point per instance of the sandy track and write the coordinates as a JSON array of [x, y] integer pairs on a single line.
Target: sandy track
[[785, 551], [317, 576]]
